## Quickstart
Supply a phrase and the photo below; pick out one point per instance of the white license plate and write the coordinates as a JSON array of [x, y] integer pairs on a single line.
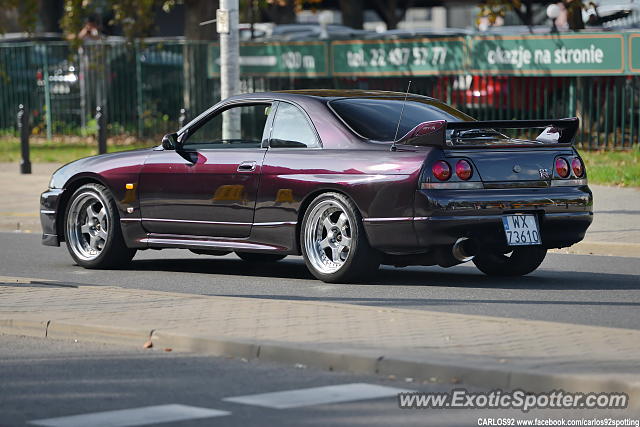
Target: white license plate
[[521, 230]]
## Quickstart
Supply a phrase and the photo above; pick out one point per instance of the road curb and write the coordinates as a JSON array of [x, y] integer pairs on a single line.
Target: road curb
[[365, 361]]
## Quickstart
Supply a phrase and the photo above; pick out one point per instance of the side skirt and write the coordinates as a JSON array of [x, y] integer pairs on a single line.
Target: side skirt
[[265, 237], [203, 242]]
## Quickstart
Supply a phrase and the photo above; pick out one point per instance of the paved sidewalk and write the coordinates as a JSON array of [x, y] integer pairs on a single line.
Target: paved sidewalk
[[432, 346], [20, 196], [616, 223], [615, 230]]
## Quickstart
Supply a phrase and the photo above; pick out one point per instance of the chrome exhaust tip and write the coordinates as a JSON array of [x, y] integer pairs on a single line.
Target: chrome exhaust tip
[[459, 251]]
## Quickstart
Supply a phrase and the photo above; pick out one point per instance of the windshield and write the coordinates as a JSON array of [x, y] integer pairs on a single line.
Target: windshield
[[377, 118]]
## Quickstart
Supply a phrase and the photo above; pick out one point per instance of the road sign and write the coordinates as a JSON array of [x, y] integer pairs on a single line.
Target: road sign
[[570, 54], [222, 21], [398, 57]]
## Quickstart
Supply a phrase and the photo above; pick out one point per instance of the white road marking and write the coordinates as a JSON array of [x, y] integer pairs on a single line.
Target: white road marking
[[132, 417], [317, 395]]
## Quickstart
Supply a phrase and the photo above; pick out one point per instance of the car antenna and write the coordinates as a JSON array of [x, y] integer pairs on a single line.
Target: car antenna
[[393, 145]]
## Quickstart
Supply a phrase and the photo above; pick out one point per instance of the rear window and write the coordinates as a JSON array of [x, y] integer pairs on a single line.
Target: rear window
[[376, 119]]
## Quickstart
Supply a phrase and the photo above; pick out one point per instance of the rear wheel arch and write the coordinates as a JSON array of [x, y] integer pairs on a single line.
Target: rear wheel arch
[[333, 240], [307, 201]]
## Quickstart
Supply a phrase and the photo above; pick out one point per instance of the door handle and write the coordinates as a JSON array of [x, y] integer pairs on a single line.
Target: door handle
[[248, 166]]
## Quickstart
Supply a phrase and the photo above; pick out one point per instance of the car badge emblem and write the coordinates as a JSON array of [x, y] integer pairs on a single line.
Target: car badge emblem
[[544, 173], [517, 168]]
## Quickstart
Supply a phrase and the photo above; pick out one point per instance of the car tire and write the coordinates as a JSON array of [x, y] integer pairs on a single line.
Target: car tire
[[521, 261], [257, 257], [333, 241], [92, 229]]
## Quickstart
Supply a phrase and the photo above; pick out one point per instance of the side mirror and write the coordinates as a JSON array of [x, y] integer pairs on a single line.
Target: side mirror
[[170, 141]]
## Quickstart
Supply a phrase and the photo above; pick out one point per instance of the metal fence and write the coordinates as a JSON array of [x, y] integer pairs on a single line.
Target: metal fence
[[142, 88]]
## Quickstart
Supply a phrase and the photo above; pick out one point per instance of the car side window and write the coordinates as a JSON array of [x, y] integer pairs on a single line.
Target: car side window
[[244, 129], [291, 129]]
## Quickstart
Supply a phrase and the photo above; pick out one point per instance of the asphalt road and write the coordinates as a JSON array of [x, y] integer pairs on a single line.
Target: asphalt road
[[582, 289], [44, 378]]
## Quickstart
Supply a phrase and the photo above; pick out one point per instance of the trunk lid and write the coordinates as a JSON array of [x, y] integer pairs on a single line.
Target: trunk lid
[[516, 164]]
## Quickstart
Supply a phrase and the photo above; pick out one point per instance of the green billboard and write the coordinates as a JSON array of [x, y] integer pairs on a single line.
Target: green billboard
[[413, 57], [571, 54], [303, 59], [567, 54]]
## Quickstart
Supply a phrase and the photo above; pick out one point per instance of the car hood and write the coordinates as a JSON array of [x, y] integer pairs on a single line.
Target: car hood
[[99, 164]]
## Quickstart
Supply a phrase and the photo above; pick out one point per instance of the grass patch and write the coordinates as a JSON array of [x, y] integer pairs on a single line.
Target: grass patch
[[42, 151], [621, 168]]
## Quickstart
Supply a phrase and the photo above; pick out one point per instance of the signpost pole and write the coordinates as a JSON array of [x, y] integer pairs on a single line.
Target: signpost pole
[[101, 123], [24, 130], [227, 25], [47, 92]]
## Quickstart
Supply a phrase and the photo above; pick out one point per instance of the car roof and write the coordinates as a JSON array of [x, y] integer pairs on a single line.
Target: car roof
[[333, 94]]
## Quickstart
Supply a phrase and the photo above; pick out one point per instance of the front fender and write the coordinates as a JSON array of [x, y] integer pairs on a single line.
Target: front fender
[[119, 173]]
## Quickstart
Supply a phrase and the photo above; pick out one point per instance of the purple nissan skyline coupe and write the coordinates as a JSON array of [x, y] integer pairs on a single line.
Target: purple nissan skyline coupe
[[348, 179]]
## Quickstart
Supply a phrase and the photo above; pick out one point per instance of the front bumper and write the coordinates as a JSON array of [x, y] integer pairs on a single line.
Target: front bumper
[[49, 202]]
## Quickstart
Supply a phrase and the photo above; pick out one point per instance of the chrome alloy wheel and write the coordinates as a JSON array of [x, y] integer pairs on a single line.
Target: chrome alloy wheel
[[328, 237], [88, 226]]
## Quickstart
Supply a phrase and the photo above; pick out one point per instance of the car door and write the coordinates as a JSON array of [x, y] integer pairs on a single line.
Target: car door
[[209, 187], [293, 165]]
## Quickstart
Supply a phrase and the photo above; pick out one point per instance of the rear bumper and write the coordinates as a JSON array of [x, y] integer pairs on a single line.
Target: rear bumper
[[557, 230], [49, 201], [443, 216]]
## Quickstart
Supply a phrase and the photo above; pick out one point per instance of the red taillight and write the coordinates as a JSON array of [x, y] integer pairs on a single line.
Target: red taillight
[[441, 170], [463, 170], [576, 165], [562, 167]]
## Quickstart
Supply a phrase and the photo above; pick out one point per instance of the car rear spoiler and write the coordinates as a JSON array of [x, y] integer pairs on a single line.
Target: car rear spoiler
[[556, 132]]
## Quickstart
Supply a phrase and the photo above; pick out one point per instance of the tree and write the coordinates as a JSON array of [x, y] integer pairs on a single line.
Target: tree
[[279, 11], [284, 11], [135, 17], [50, 15], [197, 11], [494, 9], [391, 11], [352, 13], [27, 13], [574, 14]]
